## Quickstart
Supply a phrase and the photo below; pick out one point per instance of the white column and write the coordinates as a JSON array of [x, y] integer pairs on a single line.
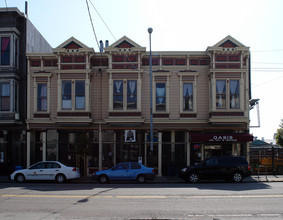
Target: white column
[[159, 154], [28, 149], [44, 140]]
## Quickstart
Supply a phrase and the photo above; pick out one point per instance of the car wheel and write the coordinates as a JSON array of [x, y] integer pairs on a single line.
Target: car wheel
[[60, 178], [193, 178], [237, 177], [20, 178], [103, 179], [141, 179]]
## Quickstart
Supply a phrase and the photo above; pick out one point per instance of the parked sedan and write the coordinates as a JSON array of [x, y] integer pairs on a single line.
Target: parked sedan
[[125, 171], [230, 168], [46, 170]]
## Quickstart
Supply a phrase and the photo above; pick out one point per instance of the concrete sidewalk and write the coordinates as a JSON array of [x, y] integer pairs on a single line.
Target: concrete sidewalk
[[174, 179]]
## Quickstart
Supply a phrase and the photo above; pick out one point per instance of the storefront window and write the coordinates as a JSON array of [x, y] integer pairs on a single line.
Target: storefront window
[[51, 148]]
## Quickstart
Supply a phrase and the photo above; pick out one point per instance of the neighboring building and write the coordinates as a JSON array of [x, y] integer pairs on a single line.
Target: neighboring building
[[201, 104], [17, 35]]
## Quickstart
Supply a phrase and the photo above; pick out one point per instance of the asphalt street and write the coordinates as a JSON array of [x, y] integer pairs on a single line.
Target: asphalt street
[[215, 201]]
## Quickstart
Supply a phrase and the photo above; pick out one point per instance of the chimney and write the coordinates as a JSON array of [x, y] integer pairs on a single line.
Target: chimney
[[101, 47], [26, 8], [106, 43]]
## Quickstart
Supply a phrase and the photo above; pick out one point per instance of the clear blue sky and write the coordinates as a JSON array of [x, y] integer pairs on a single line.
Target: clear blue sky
[[188, 25]]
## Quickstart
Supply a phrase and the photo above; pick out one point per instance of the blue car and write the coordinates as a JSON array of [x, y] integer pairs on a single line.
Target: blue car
[[125, 171]]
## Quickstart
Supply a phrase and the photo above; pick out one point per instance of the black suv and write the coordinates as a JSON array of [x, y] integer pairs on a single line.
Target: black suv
[[230, 168]]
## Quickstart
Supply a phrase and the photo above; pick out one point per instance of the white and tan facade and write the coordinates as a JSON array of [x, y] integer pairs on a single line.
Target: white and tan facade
[[200, 104]]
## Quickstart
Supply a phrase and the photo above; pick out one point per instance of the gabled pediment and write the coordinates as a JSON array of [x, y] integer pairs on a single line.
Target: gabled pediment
[[227, 43], [71, 45], [124, 44]]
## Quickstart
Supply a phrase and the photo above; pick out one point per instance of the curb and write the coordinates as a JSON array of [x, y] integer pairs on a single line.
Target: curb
[[174, 180]]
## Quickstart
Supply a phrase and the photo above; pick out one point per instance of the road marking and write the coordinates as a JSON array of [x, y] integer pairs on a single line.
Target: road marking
[[147, 196]]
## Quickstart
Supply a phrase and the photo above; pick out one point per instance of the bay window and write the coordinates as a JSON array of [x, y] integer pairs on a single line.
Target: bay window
[[5, 51], [5, 98]]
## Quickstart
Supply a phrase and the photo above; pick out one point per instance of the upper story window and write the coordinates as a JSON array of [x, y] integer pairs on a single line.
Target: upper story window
[[132, 94], [125, 95], [42, 96], [160, 100], [67, 94], [227, 91], [9, 47], [188, 97], [5, 51], [80, 94], [9, 93], [5, 98], [234, 94], [73, 94], [118, 94]]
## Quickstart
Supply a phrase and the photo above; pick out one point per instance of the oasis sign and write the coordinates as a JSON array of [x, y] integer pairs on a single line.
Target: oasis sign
[[222, 138], [214, 137]]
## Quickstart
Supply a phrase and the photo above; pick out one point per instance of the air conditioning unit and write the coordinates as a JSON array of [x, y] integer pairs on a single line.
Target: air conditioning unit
[[17, 116]]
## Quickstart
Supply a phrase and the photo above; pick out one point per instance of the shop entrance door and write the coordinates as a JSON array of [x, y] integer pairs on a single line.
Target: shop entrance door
[[129, 153], [217, 150]]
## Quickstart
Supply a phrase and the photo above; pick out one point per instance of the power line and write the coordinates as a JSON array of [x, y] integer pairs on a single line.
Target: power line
[[263, 51], [92, 24], [102, 20], [267, 82], [268, 63]]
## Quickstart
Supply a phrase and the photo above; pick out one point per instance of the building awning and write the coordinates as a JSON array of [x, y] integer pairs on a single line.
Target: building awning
[[220, 137]]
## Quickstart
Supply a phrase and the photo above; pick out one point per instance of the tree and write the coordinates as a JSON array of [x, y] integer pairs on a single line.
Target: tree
[[279, 135], [82, 148]]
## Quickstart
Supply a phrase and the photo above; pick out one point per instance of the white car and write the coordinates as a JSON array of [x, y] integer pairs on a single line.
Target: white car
[[46, 170]]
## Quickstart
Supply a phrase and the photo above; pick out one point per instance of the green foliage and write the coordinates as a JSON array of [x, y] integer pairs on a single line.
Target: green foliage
[[279, 136], [82, 145]]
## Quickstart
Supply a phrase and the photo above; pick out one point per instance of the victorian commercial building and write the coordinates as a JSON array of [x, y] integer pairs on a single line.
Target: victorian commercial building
[[200, 104]]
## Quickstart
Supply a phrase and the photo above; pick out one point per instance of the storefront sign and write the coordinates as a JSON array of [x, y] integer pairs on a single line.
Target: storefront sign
[[130, 135], [214, 137], [222, 138]]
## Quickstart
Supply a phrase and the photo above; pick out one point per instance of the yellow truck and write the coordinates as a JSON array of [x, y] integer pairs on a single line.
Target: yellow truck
[[266, 165]]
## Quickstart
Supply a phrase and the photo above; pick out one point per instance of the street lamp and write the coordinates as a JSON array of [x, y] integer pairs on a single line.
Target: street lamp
[[150, 64]]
